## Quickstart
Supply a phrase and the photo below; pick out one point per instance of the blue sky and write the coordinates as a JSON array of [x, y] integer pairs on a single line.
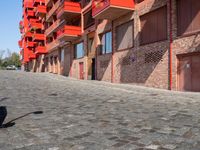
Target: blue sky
[[11, 14]]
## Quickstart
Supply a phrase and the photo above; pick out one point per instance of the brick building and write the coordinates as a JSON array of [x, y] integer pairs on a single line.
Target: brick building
[[153, 43]]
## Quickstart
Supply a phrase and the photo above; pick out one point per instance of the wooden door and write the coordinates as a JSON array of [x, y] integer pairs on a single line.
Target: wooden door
[[195, 73], [189, 73], [81, 71]]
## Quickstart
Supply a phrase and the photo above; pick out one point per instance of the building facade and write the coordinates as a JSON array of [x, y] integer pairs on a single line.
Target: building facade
[[147, 42]]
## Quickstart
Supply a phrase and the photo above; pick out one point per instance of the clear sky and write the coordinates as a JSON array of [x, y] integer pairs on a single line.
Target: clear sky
[[10, 15]]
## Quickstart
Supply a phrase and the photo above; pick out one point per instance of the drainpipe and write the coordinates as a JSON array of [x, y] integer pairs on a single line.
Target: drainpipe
[[170, 46], [112, 62]]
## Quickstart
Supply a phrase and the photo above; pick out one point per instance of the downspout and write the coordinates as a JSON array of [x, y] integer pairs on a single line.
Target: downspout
[[170, 46], [112, 61]]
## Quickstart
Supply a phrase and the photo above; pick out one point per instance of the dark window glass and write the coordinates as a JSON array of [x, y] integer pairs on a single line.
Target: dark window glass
[[188, 14], [154, 26], [88, 19], [106, 43], [124, 36]]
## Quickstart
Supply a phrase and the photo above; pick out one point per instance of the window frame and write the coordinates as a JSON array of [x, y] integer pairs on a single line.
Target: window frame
[[104, 46], [133, 44], [183, 34], [160, 40], [75, 50]]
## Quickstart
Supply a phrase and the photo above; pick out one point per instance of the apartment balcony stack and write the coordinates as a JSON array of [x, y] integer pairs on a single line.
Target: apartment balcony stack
[[63, 22]]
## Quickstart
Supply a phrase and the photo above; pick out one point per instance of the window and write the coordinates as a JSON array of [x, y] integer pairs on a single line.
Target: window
[[79, 51], [154, 26], [62, 55], [188, 14], [124, 37], [88, 19], [106, 43], [90, 44]]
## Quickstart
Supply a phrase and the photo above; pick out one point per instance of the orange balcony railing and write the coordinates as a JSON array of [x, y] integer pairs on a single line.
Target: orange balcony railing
[[20, 43], [28, 34], [30, 44], [40, 50], [36, 25], [38, 37], [30, 13], [111, 9], [69, 33], [40, 10], [28, 5], [31, 55], [69, 9]]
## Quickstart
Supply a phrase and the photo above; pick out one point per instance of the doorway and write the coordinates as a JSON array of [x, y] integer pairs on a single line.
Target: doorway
[[81, 71], [93, 69], [189, 72]]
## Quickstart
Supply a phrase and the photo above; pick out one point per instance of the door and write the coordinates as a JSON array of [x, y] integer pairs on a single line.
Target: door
[[93, 69], [81, 71], [189, 73]]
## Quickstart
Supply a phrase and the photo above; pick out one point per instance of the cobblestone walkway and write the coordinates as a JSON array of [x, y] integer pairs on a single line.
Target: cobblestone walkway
[[92, 115]]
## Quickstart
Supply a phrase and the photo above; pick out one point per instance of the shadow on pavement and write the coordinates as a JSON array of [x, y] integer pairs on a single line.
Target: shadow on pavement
[[3, 114]]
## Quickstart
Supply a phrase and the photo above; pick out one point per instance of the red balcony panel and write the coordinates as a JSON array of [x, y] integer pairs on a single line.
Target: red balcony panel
[[28, 34], [40, 50], [30, 44], [40, 10], [33, 20], [52, 46], [31, 55], [38, 37], [20, 43], [69, 9], [111, 9], [35, 25], [69, 33], [28, 4], [30, 13], [26, 55]]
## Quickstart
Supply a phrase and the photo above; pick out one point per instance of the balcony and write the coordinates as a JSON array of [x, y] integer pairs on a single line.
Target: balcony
[[38, 37], [52, 46], [30, 44], [36, 25], [40, 10], [31, 55], [40, 50], [30, 13], [20, 43], [52, 11], [69, 33], [69, 9], [111, 9], [28, 5], [28, 34], [54, 27]]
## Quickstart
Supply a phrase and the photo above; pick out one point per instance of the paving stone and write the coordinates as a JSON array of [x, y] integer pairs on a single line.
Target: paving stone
[[92, 115]]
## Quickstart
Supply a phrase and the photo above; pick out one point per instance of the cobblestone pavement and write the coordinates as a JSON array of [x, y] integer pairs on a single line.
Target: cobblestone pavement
[[92, 115]]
